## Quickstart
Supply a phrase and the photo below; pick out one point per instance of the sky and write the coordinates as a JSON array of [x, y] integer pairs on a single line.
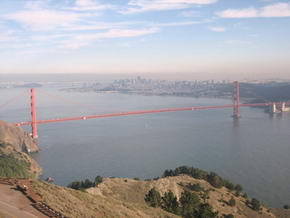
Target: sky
[[210, 38]]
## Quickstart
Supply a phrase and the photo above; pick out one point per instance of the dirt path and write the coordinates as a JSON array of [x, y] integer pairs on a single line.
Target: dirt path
[[15, 204]]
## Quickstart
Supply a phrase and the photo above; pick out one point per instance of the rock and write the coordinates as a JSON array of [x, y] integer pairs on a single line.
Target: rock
[[16, 137]]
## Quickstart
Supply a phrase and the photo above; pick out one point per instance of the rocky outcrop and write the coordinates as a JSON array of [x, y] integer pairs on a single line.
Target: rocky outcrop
[[15, 143], [16, 137]]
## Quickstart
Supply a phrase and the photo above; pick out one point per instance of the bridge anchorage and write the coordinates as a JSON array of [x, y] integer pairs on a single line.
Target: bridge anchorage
[[274, 108]]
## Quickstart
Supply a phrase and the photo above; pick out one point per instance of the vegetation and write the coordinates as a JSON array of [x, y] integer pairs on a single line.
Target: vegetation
[[153, 198], [170, 203], [82, 185], [286, 206], [188, 206], [229, 216], [254, 204], [232, 202], [12, 167], [195, 187], [214, 179]]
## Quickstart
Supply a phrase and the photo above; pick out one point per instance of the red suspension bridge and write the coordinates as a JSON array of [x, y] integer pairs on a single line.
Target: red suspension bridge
[[236, 111]]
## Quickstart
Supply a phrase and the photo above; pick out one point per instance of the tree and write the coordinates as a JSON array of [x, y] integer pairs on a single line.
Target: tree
[[188, 202], [195, 187], [229, 185], [256, 205], [238, 188], [168, 173], [153, 198], [215, 180], [170, 203], [232, 202], [229, 216], [286, 206], [98, 180], [75, 185], [87, 184], [205, 211]]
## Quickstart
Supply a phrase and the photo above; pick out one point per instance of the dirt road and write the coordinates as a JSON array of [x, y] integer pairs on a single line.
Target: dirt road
[[15, 204]]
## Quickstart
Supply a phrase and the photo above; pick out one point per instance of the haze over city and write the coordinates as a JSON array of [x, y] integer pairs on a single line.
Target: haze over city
[[199, 38]]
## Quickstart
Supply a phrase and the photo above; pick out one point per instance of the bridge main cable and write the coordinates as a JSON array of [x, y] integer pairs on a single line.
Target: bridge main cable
[[139, 112]]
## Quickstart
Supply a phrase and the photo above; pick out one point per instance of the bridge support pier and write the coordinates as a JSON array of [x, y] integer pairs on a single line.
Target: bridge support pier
[[236, 101], [34, 130]]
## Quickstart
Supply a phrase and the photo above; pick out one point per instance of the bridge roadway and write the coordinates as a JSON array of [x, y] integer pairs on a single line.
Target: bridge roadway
[[142, 112]]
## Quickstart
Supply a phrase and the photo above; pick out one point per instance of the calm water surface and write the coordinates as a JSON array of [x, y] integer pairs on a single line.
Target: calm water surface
[[253, 151]]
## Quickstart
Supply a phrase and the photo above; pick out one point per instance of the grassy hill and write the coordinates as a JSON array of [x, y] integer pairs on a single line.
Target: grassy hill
[[123, 197]]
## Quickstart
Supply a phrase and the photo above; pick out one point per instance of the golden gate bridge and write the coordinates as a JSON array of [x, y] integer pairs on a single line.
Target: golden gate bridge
[[236, 105]]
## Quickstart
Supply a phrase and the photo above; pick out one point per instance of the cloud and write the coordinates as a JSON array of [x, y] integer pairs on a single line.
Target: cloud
[[190, 14], [138, 6], [86, 39], [121, 33], [90, 5], [273, 10], [42, 19], [217, 29], [276, 10]]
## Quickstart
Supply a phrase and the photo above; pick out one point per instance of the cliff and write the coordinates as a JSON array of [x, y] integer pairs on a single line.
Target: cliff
[[17, 138], [15, 146]]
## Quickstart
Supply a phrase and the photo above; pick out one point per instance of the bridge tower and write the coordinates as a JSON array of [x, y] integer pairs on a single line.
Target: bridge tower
[[236, 100], [33, 114]]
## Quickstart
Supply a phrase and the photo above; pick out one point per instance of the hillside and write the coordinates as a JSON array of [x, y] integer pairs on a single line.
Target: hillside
[[122, 197], [15, 146]]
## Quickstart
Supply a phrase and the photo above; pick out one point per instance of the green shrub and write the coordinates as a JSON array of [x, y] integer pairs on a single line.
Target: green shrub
[[229, 216], [170, 203], [153, 198], [81, 185], [232, 202], [255, 204], [195, 187], [11, 167]]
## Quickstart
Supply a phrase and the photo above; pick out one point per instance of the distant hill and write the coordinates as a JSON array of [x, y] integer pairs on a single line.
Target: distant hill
[[266, 92]]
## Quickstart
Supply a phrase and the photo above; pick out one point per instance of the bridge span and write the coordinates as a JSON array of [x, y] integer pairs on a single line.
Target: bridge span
[[236, 111]]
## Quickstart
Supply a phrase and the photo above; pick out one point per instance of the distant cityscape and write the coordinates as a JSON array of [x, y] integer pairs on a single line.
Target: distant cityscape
[[251, 91]]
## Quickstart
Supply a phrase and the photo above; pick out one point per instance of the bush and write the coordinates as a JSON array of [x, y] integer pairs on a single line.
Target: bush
[[232, 202], [255, 204], [170, 203], [238, 189], [195, 187], [11, 167], [229, 185], [189, 205], [229, 216], [215, 180], [286, 206], [98, 180], [81, 185], [153, 198], [188, 202], [205, 211]]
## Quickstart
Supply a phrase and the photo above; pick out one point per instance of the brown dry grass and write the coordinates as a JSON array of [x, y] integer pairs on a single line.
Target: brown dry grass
[[119, 197], [130, 190], [80, 204]]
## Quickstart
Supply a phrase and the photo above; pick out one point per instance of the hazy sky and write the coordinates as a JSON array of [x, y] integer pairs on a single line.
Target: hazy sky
[[201, 37]]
